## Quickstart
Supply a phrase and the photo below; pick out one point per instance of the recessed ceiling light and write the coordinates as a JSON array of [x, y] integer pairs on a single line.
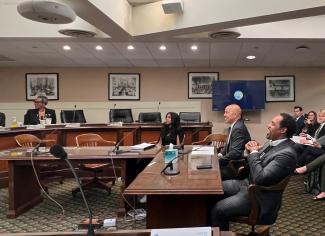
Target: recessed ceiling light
[[163, 48], [194, 47], [130, 47], [251, 57], [66, 47], [302, 48], [99, 47]]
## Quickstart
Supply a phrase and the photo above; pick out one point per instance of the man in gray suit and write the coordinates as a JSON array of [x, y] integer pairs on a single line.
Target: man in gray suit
[[268, 166], [238, 136]]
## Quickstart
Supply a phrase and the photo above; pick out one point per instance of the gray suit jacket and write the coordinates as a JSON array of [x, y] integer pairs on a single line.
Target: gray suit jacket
[[239, 136], [269, 169]]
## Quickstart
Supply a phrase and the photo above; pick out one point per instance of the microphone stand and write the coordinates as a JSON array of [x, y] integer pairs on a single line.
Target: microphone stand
[[74, 114], [171, 171], [90, 231], [117, 146], [158, 106]]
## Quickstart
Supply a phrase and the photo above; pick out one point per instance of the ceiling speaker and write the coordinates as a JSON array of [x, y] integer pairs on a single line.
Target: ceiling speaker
[[50, 12], [172, 6]]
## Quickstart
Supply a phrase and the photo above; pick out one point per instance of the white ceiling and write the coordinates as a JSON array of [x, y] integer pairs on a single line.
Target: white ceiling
[[270, 33]]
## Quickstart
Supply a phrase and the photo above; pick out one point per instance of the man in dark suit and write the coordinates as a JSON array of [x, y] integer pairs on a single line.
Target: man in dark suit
[[33, 116], [238, 136], [300, 118], [268, 166]]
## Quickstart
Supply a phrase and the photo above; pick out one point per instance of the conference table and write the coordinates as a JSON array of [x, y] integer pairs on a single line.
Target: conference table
[[182, 200], [127, 133], [24, 190]]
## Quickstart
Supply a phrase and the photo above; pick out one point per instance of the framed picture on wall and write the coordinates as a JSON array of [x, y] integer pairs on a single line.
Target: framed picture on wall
[[123, 86], [280, 88], [42, 84], [200, 84]]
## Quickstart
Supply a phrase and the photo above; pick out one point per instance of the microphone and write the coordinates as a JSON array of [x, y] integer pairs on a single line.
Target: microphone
[[171, 171], [158, 106], [117, 146], [58, 152], [74, 114]]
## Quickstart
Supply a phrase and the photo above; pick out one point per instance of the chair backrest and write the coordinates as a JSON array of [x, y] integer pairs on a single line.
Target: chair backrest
[[2, 119], [150, 117], [27, 140], [217, 140], [92, 140], [252, 219], [188, 117], [72, 116], [120, 115]]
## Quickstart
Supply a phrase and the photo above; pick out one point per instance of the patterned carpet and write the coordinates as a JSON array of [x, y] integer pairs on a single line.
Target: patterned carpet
[[299, 215]]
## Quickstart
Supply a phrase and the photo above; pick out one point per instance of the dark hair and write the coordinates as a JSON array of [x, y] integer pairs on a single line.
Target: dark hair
[[43, 98], [169, 132], [288, 122], [315, 114], [298, 107]]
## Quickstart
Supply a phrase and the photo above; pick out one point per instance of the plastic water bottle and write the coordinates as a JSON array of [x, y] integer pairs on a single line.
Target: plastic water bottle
[[14, 123]]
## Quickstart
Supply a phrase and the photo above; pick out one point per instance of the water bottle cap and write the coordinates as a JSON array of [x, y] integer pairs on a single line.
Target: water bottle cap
[[171, 146]]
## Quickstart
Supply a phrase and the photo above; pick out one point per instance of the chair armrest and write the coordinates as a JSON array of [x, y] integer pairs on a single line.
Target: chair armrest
[[277, 187], [198, 142]]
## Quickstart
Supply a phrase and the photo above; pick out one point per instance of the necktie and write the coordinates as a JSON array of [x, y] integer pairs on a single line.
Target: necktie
[[228, 139], [266, 150]]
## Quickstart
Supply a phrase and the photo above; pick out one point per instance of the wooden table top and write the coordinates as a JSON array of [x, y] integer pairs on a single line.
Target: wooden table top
[[190, 180]]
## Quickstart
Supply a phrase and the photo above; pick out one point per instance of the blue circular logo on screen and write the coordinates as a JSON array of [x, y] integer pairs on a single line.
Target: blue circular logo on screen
[[238, 95]]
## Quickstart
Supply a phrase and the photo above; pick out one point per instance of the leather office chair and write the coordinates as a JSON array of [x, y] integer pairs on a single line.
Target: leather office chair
[[72, 116], [120, 115], [31, 141], [217, 140], [2, 119], [149, 117], [253, 218], [93, 140], [190, 117]]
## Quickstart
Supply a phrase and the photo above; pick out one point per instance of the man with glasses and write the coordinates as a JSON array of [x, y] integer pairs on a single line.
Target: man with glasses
[[33, 116]]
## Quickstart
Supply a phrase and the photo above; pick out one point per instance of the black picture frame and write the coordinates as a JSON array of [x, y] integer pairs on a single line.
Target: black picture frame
[[124, 86], [200, 84], [42, 84], [280, 88]]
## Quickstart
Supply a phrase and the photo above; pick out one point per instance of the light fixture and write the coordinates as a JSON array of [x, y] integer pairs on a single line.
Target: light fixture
[[194, 47], [66, 47], [251, 57], [99, 48], [130, 47], [302, 48], [162, 47]]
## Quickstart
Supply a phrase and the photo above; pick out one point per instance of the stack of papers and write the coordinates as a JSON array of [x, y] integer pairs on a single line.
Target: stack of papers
[[197, 231], [202, 150], [142, 146]]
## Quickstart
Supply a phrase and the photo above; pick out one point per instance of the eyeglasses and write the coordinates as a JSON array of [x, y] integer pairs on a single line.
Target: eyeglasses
[[37, 101]]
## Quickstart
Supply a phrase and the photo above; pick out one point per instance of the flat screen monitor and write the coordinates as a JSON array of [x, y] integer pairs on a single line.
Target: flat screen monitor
[[248, 94]]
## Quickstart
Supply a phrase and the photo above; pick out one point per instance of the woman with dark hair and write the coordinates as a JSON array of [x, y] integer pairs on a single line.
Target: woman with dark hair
[[311, 124], [171, 131]]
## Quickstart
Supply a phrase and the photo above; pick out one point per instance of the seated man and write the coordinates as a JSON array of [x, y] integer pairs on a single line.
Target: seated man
[[33, 116], [237, 138], [268, 166]]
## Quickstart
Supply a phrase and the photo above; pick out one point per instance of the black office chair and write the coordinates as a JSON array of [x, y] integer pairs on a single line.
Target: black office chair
[[120, 115], [149, 117], [72, 116], [2, 119], [190, 117]]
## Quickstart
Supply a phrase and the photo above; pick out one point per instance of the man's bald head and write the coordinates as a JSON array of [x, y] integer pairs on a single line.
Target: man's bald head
[[232, 113]]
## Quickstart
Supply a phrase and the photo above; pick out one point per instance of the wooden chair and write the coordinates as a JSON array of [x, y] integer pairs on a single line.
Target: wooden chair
[[30, 141], [252, 219], [217, 140], [93, 140]]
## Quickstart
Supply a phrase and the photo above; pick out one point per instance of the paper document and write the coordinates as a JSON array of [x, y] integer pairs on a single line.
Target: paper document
[[308, 140], [202, 150], [197, 231], [142, 146]]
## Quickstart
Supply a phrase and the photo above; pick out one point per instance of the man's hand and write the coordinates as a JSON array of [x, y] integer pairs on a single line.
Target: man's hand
[[316, 145], [252, 146]]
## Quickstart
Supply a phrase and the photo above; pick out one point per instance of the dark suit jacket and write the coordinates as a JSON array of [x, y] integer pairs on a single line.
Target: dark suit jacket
[[268, 170], [300, 124], [239, 136], [321, 132], [31, 116]]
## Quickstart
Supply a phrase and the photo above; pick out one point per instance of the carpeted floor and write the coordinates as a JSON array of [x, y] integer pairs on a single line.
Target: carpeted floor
[[299, 215]]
